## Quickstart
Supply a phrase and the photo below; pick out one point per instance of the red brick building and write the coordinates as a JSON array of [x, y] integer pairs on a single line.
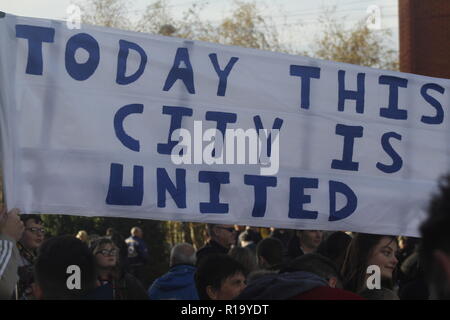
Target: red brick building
[[425, 37]]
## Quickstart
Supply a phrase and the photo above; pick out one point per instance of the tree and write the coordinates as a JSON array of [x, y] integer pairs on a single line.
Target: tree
[[107, 13], [357, 45]]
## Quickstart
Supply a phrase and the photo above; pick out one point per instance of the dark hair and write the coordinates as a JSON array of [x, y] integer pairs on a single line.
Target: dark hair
[[314, 263], [55, 256], [246, 257], [213, 270], [354, 268], [271, 249], [25, 217], [99, 242], [335, 247], [436, 236]]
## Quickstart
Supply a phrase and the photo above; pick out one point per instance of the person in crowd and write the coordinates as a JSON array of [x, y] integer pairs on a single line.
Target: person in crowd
[[83, 236], [254, 235], [269, 254], [11, 230], [220, 239], [246, 257], [298, 285], [283, 235], [304, 241], [319, 265], [122, 285], [255, 275], [119, 242], [412, 282], [56, 277], [435, 247], [219, 277], [366, 250], [239, 229], [247, 240], [178, 283], [138, 255], [335, 246], [28, 245]]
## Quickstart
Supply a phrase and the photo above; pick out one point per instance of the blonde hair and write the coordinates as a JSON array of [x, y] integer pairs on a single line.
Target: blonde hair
[[83, 236]]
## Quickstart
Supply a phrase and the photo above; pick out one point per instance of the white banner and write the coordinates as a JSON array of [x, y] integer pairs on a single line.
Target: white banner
[[89, 121]]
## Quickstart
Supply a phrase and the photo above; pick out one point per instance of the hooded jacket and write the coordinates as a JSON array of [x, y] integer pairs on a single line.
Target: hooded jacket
[[281, 286], [294, 286], [177, 284]]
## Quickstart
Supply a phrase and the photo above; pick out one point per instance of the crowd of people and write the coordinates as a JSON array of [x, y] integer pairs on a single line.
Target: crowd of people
[[234, 263]]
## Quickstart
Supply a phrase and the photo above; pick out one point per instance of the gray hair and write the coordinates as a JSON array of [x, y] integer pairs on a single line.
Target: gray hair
[[182, 253]]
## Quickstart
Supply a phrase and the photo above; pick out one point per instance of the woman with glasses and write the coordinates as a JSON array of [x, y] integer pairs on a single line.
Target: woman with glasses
[[32, 239], [118, 284]]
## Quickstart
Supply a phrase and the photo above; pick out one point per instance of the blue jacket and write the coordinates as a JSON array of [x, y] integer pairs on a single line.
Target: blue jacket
[[177, 284]]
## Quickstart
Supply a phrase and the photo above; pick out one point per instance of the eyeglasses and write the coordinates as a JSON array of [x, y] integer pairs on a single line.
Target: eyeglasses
[[228, 229], [105, 252], [36, 230]]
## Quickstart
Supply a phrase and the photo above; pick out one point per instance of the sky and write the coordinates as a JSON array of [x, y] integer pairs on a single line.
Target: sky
[[296, 20]]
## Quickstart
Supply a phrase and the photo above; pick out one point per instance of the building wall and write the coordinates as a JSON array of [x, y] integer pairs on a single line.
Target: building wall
[[425, 37]]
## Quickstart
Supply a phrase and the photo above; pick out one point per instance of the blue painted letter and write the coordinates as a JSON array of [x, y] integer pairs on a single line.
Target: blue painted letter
[[177, 114], [392, 111], [397, 161], [215, 179], [439, 118], [164, 184], [120, 116], [260, 183], [357, 95], [35, 36], [223, 74], [184, 74], [125, 47], [349, 133], [82, 71], [352, 201], [125, 196], [297, 198], [305, 73]]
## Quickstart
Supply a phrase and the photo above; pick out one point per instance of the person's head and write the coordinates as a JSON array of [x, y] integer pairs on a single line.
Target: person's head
[[245, 257], [310, 240], [366, 250], [105, 253], [270, 253], [137, 232], [246, 238], [335, 246], [224, 234], [435, 247], [83, 236], [319, 265], [33, 236], [110, 232], [59, 258], [182, 253], [219, 277]]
